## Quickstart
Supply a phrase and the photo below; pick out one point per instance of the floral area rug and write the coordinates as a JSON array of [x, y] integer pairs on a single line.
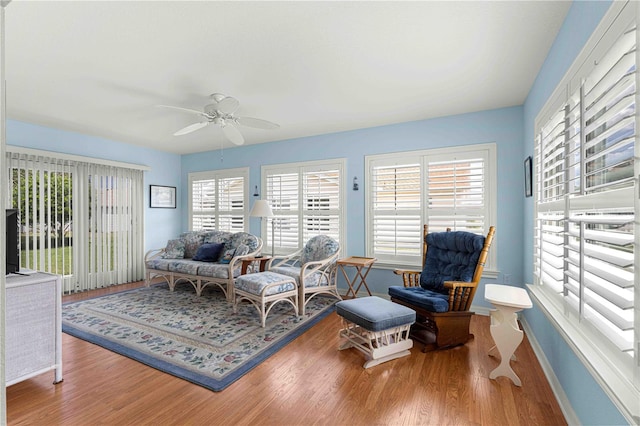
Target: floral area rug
[[198, 339]]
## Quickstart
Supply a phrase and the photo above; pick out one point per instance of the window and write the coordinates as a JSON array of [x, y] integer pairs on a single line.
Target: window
[[586, 200], [217, 200], [307, 199], [444, 188], [79, 219]]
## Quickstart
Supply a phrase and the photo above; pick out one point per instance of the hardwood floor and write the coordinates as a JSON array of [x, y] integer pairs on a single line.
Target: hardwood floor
[[307, 382]]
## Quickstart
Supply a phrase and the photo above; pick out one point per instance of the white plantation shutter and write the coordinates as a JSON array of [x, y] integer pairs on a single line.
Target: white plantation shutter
[[203, 204], [549, 241], [217, 200], [456, 188], [586, 203], [396, 204], [444, 188], [231, 204], [307, 200], [321, 203], [283, 193]]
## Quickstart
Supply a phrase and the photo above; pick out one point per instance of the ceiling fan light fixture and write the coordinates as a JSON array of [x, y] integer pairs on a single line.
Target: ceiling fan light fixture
[[217, 97], [221, 112]]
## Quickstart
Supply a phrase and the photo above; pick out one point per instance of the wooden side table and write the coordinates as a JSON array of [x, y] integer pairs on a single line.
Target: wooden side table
[[505, 331], [249, 260], [361, 264]]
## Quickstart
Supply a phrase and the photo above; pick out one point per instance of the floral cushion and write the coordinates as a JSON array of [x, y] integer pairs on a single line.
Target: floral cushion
[[312, 280], [192, 240], [158, 264], [174, 250], [256, 283], [214, 270], [227, 256], [319, 247], [240, 238], [220, 237], [242, 250], [185, 266]]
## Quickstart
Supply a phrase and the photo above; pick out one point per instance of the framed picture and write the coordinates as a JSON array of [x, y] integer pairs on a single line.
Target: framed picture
[[162, 197], [528, 188]]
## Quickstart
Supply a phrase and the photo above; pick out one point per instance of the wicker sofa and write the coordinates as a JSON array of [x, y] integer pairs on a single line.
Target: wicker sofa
[[178, 261]]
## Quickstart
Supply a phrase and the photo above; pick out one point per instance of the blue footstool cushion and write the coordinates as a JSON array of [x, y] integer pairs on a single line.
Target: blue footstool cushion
[[374, 313]]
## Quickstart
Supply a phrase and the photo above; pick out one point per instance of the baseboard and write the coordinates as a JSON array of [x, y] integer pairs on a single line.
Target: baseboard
[[566, 407]]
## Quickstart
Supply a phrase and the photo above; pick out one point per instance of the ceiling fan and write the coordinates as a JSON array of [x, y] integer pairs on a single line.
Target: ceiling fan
[[220, 111]]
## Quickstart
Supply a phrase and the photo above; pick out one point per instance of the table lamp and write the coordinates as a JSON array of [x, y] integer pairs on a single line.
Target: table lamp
[[262, 209]]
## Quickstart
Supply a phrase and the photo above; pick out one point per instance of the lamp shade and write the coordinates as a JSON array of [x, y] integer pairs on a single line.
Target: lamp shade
[[261, 208]]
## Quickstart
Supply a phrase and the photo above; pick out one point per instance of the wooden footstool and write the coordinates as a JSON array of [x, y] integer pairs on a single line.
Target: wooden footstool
[[377, 327]]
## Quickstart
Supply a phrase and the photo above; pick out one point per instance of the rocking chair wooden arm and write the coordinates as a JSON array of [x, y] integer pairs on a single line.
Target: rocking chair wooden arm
[[460, 294], [410, 278], [456, 284]]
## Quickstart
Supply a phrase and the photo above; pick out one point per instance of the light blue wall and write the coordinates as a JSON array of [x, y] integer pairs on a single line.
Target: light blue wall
[[502, 126], [160, 224], [590, 403], [510, 128]]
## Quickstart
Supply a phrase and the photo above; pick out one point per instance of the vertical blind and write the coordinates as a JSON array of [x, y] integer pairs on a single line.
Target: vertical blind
[[445, 188], [218, 200], [80, 220], [306, 200], [585, 198]]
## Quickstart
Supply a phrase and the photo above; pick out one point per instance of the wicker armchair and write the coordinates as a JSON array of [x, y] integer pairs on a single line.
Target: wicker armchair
[[313, 268]]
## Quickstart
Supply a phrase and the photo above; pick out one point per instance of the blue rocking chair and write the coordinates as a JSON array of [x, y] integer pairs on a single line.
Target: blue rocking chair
[[441, 294]]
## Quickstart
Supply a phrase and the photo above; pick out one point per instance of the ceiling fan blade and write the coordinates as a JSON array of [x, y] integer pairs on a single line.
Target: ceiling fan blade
[[233, 134], [256, 123], [191, 128], [228, 105], [183, 109]]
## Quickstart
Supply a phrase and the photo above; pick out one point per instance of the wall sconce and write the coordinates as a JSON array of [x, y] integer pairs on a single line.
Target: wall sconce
[[355, 184], [255, 193]]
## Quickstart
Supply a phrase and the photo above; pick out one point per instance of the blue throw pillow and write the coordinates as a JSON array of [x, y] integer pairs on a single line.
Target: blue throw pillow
[[209, 252]]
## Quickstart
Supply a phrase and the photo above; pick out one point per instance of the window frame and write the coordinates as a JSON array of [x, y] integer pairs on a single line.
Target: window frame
[[240, 172], [423, 157], [300, 168], [597, 353]]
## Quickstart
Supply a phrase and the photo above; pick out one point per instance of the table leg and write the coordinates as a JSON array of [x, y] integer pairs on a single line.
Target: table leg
[[363, 278], [349, 284], [507, 336]]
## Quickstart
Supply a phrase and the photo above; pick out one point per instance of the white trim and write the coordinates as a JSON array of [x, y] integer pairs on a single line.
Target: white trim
[[300, 168], [72, 157], [593, 355], [422, 157]]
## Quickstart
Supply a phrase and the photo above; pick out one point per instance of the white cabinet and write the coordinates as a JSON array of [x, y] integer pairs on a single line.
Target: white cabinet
[[33, 326]]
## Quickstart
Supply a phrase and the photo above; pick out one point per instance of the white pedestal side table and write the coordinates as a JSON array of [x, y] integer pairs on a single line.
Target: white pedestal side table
[[508, 300]]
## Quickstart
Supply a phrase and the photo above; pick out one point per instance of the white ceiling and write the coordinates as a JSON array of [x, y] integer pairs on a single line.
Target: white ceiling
[[100, 68]]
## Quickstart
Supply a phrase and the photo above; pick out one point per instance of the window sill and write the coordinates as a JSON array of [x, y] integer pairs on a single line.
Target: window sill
[[588, 347]]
